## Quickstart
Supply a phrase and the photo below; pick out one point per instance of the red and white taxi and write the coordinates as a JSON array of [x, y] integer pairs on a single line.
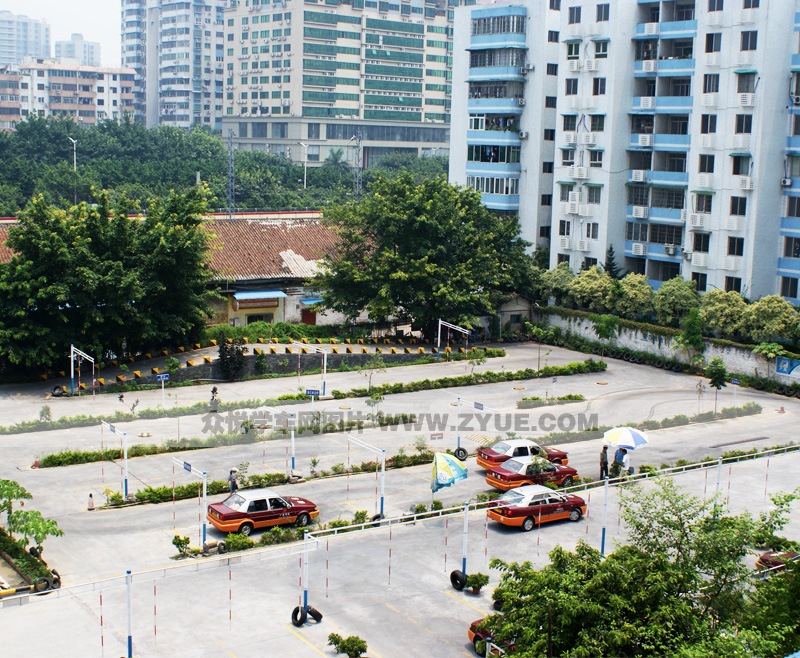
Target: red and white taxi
[[251, 509], [533, 504], [509, 448], [520, 471]]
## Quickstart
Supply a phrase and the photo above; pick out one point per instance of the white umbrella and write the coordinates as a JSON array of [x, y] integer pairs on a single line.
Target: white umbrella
[[625, 437]]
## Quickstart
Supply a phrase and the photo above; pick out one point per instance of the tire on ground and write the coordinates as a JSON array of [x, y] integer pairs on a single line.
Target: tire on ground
[[461, 453], [42, 584], [316, 615], [299, 616], [222, 547], [458, 579]]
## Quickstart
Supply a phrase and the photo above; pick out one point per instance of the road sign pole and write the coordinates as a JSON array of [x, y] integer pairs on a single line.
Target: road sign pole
[[383, 479], [464, 547], [128, 583], [125, 481], [605, 513], [291, 436], [205, 505], [324, 369], [163, 395]]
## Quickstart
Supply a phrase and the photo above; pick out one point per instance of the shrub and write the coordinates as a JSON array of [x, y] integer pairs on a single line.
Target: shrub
[[352, 646], [237, 542], [477, 580]]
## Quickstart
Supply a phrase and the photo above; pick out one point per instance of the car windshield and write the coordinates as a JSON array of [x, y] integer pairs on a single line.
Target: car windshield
[[514, 465], [502, 446], [235, 502], [512, 497]]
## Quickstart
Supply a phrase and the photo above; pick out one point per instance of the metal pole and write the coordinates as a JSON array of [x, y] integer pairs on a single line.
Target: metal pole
[[72, 370], [458, 422], [163, 395], [305, 569], [128, 583], [464, 546], [205, 504], [125, 481], [383, 479], [324, 369], [439, 339], [291, 437], [605, 513]]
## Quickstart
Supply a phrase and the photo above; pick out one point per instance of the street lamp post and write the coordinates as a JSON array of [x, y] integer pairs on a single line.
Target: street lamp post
[[74, 169], [305, 163]]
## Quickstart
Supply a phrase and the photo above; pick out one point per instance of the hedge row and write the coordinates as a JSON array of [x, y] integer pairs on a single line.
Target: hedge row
[[30, 567], [534, 402]]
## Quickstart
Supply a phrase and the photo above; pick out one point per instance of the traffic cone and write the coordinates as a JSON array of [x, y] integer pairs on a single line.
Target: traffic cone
[[91, 503], [781, 410]]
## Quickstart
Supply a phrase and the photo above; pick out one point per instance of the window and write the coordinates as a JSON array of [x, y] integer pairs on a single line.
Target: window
[[598, 86], [552, 69], [741, 165], [750, 4], [793, 207], [703, 203], [562, 258], [592, 230], [574, 15], [571, 86], [738, 205], [744, 124], [602, 12], [547, 167], [544, 232], [749, 40], [713, 42], [595, 159], [598, 123], [639, 195], [564, 227], [711, 83], [701, 281], [570, 122], [601, 49], [791, 248], [547, 199], [594, 194], [745, 83], [573, 50], [789, 287], [708, 123], [550, 101], [549, 134], [313, 131], [552, 36], [701, 242], [567, 157], [663, 234], [555, 5], [796, 124], [733, 283], [684, 12], [588, 263], [636, 231], [676, 162], [736, 246], [715, 5], [706, 164], [566, 188]]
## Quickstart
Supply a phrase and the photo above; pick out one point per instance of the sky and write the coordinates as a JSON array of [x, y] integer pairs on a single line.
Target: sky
[[97, 20]]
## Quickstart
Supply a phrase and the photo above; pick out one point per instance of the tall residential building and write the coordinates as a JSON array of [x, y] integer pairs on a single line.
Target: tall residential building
[[86, 52], [354, 78], [176, 49], [675, 127], [22, 37]]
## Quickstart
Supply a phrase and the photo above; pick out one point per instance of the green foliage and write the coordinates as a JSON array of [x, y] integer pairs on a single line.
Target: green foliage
[[674, 299], [182, 544], [610, 266], [477, 580], [45, 415], [28, 523], [690, 340], [420, 252], [236, 542], [723, 312], [556, 283], [260, 364], [172, 364], [716, 372], [633, 298], [31, 567], [590, 289], [769, 318], [280, 535], [231, 357], [352, 647]]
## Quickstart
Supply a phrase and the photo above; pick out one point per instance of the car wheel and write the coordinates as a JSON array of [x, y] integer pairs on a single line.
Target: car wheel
[[458, 579], [528, 524], [479, 644], [316, 615], [568, 481], [557, 461], [299, 616], [302, 520], [245, 529], [575, 515], [461, 454]]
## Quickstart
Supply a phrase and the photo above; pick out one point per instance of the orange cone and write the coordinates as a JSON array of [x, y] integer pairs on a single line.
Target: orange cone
[[91, 503]]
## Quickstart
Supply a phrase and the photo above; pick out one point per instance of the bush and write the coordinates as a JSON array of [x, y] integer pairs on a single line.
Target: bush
[[30, 567], [352, 646], [237, 542]]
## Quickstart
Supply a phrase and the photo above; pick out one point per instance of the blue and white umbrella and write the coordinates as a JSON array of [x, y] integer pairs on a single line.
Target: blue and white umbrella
[[447, 470], [625, 437]]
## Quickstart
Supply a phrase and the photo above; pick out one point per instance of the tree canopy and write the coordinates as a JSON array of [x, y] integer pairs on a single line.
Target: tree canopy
[[416, 252]]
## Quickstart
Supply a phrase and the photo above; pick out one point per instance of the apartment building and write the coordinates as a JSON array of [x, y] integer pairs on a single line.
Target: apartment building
[[176, 50], [22, 37], [673, 127], [362, 78], [86, 52]]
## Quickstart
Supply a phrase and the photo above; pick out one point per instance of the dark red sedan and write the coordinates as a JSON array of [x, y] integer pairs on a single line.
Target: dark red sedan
[[245, 511], [510, 448], [518, 472]]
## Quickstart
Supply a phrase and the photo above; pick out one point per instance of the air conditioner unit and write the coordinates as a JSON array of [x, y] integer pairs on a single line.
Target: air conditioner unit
[[699, 259], [583, 245], [746, 183], [729, 263], [592, 65], [705, 180], [795, 100], [579, 172], [732, 223], [647, 102], [707, 141], [574, 197], [669, 249], [786, 182], [523, 70], [697, 220], [646, 140], [639, 249], [571, 138], [651, 28], [747, 100], [641, 212], [638, 175], [741, 141], [712, 59], [746, 57], [585, 210], [520, 101], [587, 138], [523, 134], [714, 18], [530, 66], [565, 243], [574, 65], [573, 207], [649, 65]]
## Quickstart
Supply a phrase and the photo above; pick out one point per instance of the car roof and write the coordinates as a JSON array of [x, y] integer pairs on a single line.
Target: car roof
[[252, 494], [517, 442], [531, 489]]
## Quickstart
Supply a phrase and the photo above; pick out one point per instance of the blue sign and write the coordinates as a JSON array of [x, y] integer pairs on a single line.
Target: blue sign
[[312, 392], [555, 379], [786, 366], [478, 405], [111, 429], [163, 378], [187, 466], [735, 381]]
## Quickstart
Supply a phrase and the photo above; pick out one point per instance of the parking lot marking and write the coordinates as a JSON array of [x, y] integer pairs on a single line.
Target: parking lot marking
[[300, 637], [461, 599]]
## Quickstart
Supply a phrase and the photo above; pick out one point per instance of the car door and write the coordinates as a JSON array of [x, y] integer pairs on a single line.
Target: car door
[[558, 508], [258, 512], [280, 512], [550, 474]]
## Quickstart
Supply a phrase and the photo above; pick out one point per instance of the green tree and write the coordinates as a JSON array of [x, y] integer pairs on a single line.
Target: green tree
[[770, 352], [231, 356], [417, 253], [690, 340], [723, 312], [717, 375], [770, 318], [590, 289], [26, 522], [556, 283], [606, 327], [632, 297], [610, 266], [674, 299], [771, 611]]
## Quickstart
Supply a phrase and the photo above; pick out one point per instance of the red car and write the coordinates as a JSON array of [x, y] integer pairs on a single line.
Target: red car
[[518, 472], [479, 637], [772, 561], [251, 509], [532, 505], [504, 450]]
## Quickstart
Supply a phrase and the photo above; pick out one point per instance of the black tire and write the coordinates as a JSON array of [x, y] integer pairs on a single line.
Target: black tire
[[557, 461], [479, 644], [568, 481], [57, 391], [316, 615], [222, 548], [299, 616], [461, 453], [377, 518], [659, 364], [528, 524], [41, 584], [55, 581], [575, 515], [678, 367], [34, 551], [245, 529], [302, 520], [458, 579], [497, 605]]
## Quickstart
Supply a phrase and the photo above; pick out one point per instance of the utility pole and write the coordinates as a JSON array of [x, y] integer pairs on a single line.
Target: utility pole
[[357, 165], [74, 169], [231, 199]]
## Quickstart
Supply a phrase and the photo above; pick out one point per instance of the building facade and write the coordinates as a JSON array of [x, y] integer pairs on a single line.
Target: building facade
[[22, 37], [361, 77], [673, 131], [176, 49], [86, 52]]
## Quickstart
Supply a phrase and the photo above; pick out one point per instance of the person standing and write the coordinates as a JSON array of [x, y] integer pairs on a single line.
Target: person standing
[[604, 463], [232, 480]]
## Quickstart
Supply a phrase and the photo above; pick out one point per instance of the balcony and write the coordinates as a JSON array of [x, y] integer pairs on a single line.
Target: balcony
[[501, 201], [497, 105], [483, 73], [663, 104], [675, 66], [795, 64], [667, 30], [793, 144], [667, 142], [669, 178], [491, 41]]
